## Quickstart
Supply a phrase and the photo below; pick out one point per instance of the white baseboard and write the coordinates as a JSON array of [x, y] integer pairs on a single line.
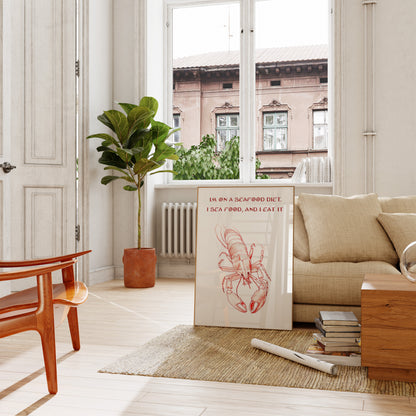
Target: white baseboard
[[118, 272], [174, 268], [100, 275], [168, 268]]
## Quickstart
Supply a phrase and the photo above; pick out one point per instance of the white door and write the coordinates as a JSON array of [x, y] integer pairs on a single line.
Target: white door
[[38, 134]]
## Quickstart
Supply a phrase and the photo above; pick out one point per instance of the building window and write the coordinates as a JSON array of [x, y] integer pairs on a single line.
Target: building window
[[320, 129], [176, 123], [275, 130], [227, 128]]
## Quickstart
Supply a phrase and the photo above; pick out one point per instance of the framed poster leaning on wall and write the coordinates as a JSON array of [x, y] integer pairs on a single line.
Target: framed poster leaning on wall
[[244, 257]]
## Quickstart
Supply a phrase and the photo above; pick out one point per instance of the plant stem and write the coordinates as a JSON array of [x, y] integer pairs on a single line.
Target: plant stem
[[139, 226]]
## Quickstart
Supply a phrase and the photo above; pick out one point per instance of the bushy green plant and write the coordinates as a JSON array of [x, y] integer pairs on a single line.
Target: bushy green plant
[[197, 162], [138, 146], [204, 162]]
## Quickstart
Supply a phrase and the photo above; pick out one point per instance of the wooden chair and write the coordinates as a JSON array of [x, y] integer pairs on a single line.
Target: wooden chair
[[44, 306]]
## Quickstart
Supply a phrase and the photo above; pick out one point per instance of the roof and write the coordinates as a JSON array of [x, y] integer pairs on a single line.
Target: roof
[[263, 56]]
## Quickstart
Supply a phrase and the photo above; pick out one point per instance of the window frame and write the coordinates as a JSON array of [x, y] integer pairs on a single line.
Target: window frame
[[248, 112], [176, 122], [275, 127], [228, 128], [326, 125]]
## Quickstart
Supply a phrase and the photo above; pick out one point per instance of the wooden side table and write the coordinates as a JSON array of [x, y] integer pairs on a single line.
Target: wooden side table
[[388, 327]]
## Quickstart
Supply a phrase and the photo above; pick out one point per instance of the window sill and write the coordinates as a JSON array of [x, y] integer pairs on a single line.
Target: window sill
[[260, 182], [287, 151]]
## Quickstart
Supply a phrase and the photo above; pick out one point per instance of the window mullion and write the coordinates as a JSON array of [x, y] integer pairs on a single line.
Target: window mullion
[[247, 92]]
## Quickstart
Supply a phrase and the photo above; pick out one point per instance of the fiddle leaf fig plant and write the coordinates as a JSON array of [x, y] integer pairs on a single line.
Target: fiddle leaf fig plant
[[138, 146]]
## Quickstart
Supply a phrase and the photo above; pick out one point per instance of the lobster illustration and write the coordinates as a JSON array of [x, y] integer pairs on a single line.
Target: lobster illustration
[[242, 270]]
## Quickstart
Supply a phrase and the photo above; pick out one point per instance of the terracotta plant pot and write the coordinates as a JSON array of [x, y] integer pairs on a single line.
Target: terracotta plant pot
[[139, 267]]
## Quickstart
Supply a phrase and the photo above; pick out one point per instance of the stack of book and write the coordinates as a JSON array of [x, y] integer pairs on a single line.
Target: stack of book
[[338, 340]]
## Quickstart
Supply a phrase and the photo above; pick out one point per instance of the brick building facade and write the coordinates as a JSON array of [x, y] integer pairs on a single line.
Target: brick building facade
[[291, 103]]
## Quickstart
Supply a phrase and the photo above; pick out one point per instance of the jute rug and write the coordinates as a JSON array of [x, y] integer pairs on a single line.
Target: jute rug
[[225, 355]]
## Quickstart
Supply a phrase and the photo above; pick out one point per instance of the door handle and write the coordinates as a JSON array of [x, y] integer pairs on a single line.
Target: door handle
[[7, 167]]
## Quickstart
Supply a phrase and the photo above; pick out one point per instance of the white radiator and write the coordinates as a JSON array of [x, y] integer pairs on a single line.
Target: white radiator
[[178, 229]]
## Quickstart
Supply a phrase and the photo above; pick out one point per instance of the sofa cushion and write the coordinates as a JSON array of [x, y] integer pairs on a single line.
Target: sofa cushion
[[336, 283], [300, 237], [345, 229], [398, 204], [401, 228]]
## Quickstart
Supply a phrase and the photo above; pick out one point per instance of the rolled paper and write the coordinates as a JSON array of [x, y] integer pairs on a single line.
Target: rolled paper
[[295, 356]]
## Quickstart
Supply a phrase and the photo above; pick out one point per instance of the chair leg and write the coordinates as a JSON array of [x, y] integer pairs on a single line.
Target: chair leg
[[46, 328], [73, 328], [49, 357]]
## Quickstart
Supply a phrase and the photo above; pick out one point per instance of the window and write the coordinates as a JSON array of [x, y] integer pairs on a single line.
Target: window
[[176, 124], [320, 129], [268, 84], [227, 128], [207, 72], [275, 131]]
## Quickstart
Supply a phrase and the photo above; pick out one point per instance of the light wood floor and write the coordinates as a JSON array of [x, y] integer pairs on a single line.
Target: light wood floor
[[113, 322]]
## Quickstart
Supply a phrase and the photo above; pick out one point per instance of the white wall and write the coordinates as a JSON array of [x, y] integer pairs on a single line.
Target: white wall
[[396, 97], [394, 86], [100, 97]]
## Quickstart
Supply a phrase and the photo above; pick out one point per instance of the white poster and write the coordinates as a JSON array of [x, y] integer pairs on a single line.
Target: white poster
[[244, 257]]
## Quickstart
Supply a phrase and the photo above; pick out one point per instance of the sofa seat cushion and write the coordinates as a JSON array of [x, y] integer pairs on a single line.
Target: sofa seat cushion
[[401, 228], [335, 283], [345, 229]]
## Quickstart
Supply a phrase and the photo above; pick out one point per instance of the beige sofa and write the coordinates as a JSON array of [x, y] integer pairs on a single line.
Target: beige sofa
[[338, 240]]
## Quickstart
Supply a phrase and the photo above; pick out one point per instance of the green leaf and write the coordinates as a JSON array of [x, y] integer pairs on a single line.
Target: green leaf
[[136, 151], [130, 188], [125, 154], [144, 165], [136, 139], [149, 102], [109, 143], [127, 107], [105, 148], [173, 157], [164, 151], [119, 123], [104, 119], [174, 131], [123, 171], [147, 147], [112, 159], [139, 118], [107, 179], [128, 179], [160, 131], [103, 136], [160, 171]]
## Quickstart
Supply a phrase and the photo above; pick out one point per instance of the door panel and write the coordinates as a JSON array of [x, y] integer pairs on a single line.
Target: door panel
[[44, 209], [40, 125], [44, 64]]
